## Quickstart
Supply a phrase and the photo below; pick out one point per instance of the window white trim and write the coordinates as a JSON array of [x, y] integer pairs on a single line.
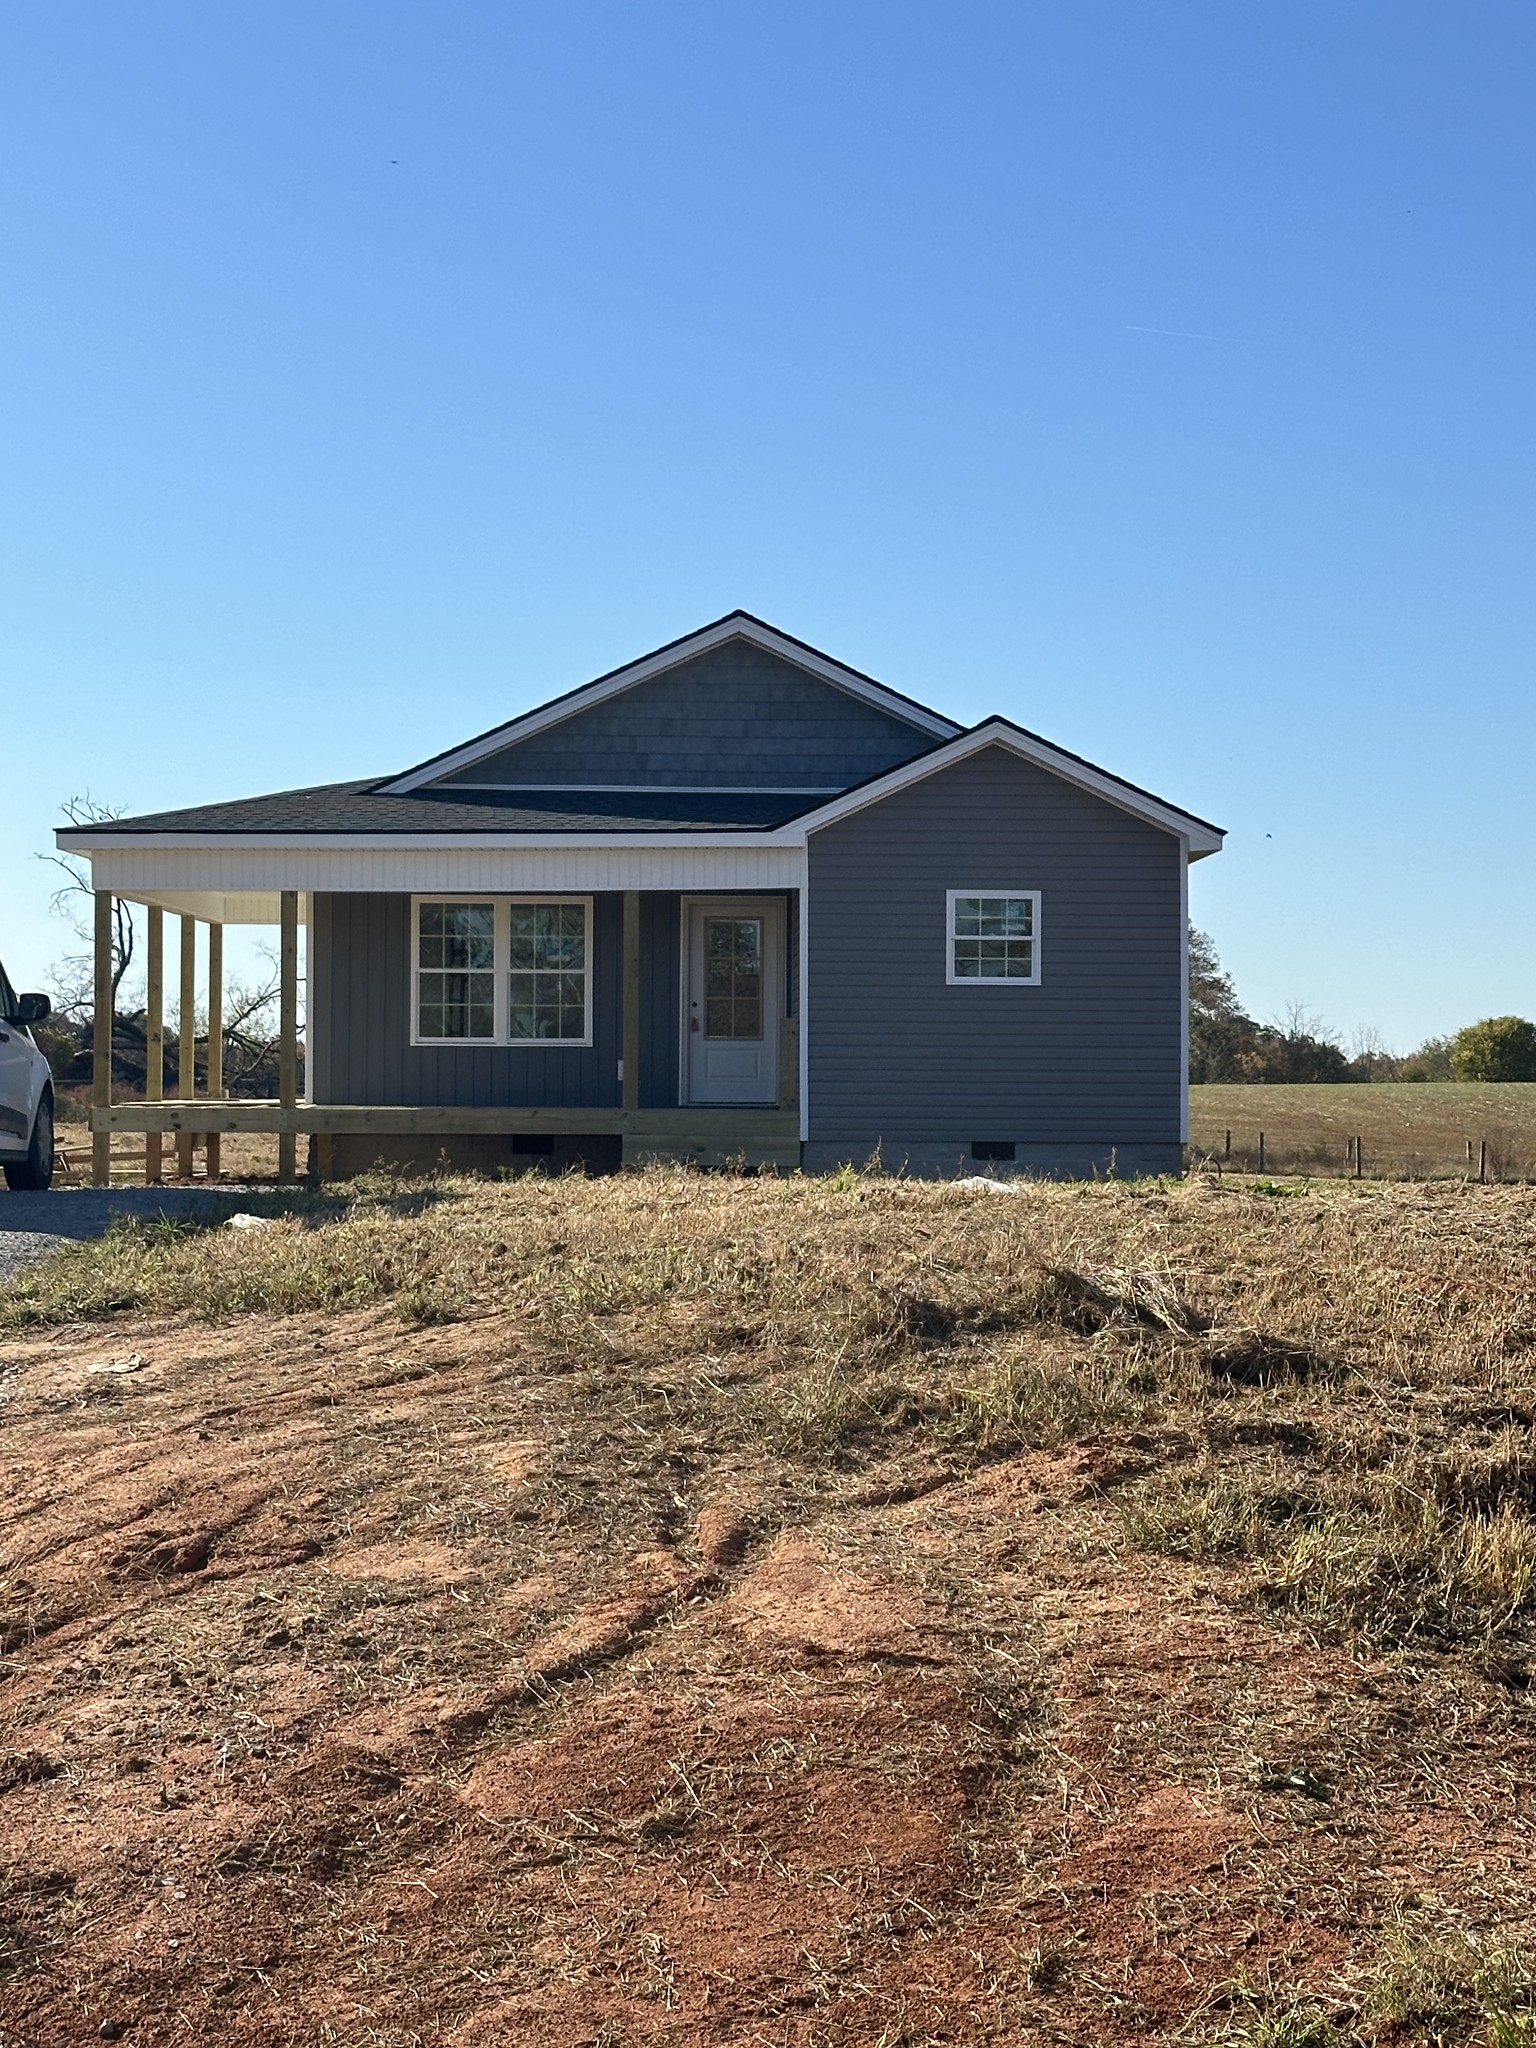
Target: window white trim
[[1031, 980], [501, 954]]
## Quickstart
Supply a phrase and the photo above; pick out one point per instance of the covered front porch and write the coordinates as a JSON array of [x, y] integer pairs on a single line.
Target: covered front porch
[[624, 1101]]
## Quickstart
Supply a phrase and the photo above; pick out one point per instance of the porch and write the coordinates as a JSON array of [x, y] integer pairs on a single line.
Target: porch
[[764, 1133]]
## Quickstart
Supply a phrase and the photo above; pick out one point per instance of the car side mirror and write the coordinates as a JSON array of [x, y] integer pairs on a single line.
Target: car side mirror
[[32, 1009]]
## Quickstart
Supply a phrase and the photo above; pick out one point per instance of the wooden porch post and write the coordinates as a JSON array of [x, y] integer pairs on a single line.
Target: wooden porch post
[[186, 1019], [215, 1038], [154, 1037], [288, 1029], [631, 1042], [101, 1040]]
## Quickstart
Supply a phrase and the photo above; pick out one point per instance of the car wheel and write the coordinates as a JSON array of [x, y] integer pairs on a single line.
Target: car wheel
[[36, 1170]]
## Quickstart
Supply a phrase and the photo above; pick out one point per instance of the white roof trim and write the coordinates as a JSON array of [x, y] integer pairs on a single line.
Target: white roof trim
[[737, 626], [360, 842], [997, 732]]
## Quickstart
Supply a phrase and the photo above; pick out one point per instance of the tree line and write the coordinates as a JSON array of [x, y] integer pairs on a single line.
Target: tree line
[[1226, 1044]]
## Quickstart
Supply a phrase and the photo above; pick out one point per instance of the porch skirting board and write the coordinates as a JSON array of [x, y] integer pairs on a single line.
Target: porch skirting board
[[927, 1161]]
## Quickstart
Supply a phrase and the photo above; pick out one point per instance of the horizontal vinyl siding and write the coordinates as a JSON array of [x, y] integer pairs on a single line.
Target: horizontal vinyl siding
[[1092, 1056], [737, 716]]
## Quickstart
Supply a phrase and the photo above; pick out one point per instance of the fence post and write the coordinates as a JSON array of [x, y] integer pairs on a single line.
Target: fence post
[[1227, 1150], [1261, 1151], [1359, 1159], [1482, 1159]]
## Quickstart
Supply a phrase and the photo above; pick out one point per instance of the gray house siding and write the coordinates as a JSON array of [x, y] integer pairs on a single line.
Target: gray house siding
[[660, 1004], [360, 1022], [1087, 1065], [735, 717], [360, 1017]]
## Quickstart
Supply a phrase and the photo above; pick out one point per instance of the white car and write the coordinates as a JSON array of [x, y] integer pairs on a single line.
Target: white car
[[26, 1092]]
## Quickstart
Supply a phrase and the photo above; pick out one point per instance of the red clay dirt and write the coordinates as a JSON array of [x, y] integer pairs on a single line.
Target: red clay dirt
[[353, 1694]]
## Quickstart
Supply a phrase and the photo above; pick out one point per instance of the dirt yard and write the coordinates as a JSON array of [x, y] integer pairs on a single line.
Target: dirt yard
[[684, 1610]]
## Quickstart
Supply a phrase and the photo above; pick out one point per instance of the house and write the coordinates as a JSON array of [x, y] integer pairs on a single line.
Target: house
[[734, 899]]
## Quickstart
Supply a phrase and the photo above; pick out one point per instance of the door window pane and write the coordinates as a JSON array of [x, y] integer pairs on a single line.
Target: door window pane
[[547, 971], [733, 977], [456, 984]]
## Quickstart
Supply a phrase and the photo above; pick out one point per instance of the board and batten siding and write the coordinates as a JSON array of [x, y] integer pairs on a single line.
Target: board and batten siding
[[360, 1016], [1087, 1064], [735, 717]]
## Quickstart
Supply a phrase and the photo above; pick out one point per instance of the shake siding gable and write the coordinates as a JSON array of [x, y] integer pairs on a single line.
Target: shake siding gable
[[1089, 1059], [736, 717]]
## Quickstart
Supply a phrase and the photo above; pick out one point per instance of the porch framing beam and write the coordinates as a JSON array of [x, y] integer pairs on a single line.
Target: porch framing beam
[[288, 1034], [215, 1080], [186, 1053], [101, 1042], [154, 1035], [711, 1126]]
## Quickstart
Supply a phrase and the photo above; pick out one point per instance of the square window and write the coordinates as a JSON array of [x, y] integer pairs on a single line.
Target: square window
[[994, 937]]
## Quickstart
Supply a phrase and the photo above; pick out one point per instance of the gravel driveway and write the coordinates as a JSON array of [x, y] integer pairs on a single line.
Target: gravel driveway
[[32, 1226]]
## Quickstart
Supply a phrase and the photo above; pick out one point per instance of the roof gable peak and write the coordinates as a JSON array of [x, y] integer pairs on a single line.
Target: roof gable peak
[[735, 625]]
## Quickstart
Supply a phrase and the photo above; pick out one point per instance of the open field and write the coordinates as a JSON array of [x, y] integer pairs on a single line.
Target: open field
[[1418, 1129], [703, 1611]]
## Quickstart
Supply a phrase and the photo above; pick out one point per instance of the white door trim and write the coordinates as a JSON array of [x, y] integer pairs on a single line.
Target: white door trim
[[742, 904]]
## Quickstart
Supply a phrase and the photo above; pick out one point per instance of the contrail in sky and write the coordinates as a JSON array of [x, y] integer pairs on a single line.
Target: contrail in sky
[[1182, 334]]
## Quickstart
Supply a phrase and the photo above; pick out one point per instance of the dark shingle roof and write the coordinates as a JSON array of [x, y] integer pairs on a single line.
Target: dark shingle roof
[[360, 807]]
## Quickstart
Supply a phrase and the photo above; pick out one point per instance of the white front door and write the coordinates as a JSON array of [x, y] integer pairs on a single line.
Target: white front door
[[733, 999]]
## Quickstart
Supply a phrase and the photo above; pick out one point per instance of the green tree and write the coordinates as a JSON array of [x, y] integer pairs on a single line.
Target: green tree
[[1219, 1028], [1497, 1049]]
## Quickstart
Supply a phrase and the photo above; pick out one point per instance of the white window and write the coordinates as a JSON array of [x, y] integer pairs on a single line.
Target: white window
[[502, 970], [994, 936]]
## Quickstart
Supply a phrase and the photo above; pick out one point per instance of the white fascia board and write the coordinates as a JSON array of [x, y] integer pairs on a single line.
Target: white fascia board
[[997, 732], [737, 627], [365, 842]]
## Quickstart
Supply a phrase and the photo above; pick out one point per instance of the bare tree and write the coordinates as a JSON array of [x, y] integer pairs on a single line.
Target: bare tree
[[75, 976], [251, 1025]]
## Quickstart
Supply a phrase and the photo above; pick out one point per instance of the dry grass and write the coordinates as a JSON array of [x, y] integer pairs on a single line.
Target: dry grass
[[794, 1611], [1408, 1130]]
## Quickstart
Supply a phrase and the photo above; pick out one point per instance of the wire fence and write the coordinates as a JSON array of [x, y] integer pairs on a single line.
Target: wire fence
[[1498, 1156]]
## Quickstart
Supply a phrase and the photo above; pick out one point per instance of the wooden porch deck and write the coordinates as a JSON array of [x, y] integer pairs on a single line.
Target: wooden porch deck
[[761, 1136]]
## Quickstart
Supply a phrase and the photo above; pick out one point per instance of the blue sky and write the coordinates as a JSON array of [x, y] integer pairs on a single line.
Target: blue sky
[[1160, 375]]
